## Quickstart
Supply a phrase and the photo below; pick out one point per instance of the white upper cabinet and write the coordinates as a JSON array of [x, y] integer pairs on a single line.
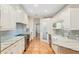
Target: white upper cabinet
[[24, 18], [70, 18], [10, 15], [21, 16], [7, 18], [74, 16], [65, 17]]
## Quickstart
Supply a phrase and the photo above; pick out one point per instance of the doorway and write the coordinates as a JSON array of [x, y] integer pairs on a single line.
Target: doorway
[[38, 30]]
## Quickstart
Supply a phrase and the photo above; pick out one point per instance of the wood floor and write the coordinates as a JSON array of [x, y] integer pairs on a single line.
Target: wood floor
[[38, 47]]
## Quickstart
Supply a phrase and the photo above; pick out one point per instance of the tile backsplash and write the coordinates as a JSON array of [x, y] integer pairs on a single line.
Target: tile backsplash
[[74, 34], [59, 32], [5, 35], [71, 34]]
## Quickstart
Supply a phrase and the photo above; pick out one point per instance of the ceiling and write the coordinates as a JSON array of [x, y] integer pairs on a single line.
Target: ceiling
[[42, 10]]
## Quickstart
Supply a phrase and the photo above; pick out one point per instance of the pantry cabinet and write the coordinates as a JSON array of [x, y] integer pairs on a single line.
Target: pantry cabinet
[[7, 18]]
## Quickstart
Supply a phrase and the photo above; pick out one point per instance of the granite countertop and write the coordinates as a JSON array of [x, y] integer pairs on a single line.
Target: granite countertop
[[9, 42], [68, 43]]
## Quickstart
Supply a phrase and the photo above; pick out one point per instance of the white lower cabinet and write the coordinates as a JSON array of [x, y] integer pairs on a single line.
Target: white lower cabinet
[[16, 48], [6, 51], [20, 47]]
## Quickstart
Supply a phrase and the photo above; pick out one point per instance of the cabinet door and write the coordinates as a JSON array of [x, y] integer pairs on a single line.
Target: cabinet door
[[74, 14], [4, 21], [20, 16], [65, 16], [18, 47], [7, 21], [25, 19], [21, 46]]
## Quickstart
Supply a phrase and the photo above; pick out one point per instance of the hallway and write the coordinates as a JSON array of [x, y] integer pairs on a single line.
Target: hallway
[[38, 47]]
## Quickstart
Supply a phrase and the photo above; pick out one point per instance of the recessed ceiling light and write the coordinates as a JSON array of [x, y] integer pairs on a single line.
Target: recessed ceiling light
[[36, 5]]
